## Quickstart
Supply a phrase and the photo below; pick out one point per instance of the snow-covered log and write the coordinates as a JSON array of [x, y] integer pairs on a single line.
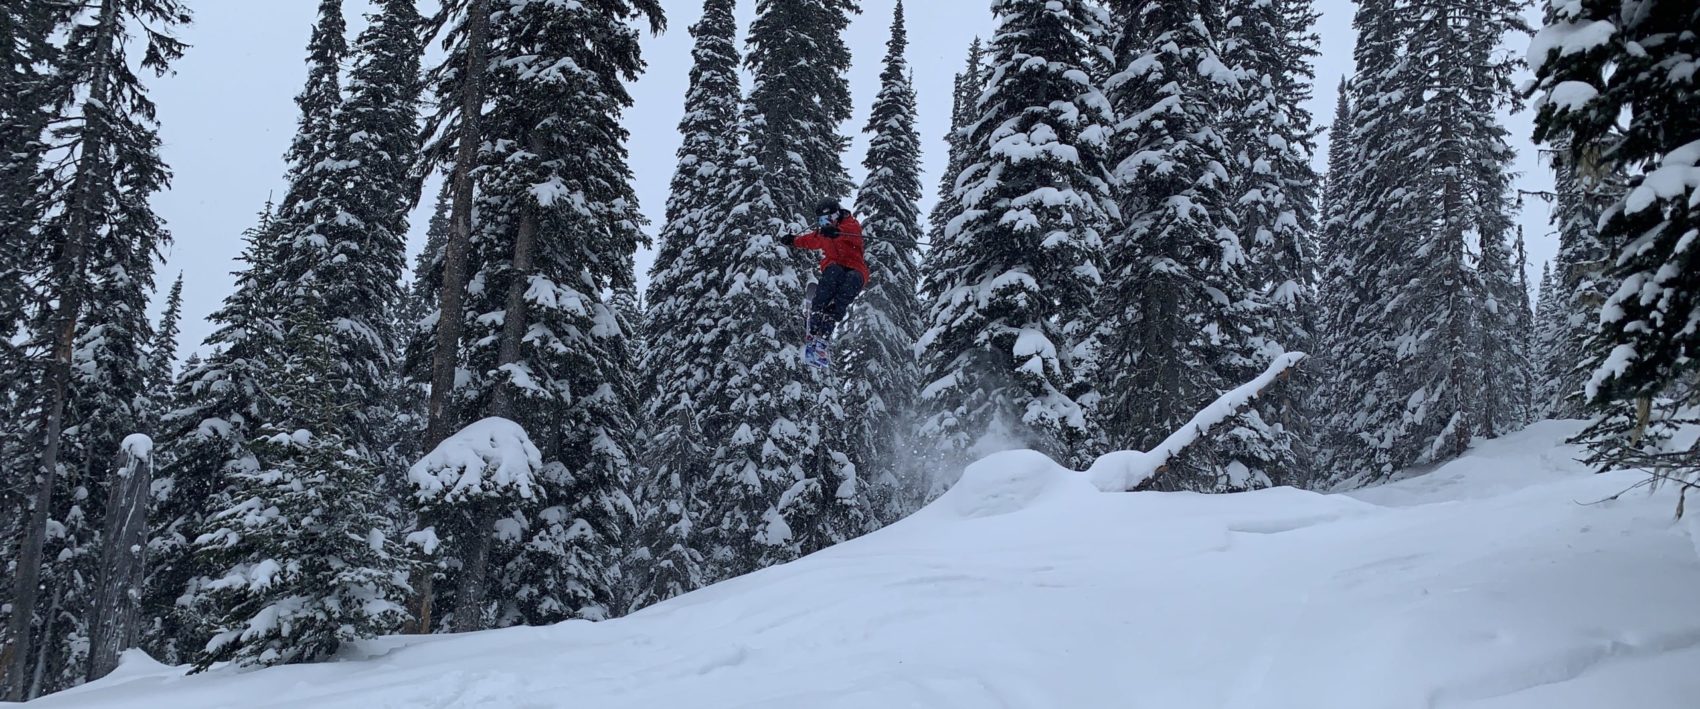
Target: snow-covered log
[[1125, 471], [123, 560]]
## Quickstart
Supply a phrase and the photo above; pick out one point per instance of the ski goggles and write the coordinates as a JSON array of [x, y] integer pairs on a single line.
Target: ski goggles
[[824, 220]]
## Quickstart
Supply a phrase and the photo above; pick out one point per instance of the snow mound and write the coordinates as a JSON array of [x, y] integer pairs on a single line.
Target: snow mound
[[1010, 482], [135, 663], [1480, 585]]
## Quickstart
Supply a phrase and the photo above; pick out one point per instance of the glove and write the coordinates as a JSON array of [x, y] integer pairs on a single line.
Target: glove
[[829, 231], [788, 240]]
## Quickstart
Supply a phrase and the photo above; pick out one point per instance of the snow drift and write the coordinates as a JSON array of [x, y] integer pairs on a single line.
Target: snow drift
[[1483, 584]]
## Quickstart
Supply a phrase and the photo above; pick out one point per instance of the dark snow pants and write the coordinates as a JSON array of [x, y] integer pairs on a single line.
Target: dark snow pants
[[838, 287]]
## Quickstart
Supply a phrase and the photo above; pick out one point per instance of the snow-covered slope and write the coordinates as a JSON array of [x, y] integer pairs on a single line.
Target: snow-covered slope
[[1482, 584]]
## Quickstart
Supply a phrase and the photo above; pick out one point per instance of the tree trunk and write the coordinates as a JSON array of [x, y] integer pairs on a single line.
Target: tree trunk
[[68, 277], [446, 359], [475, 557], [473, 582], [505, 401], [123, 560], [39, 674]]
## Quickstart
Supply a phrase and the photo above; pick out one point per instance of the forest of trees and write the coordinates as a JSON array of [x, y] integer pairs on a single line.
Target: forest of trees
[[520, 430]]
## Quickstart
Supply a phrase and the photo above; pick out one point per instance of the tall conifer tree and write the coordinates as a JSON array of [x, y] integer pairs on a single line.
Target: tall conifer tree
[[965, 100], [26, 54], [1180, 327], [162, 357], [1271, 138], [342, 251], [680, 325], [1014, 277], [229, 398], [318, 101], [222, 402], [558, 224], [454, 134], [1544, 349], [779, 485], [800, 96], [1429, 85], [1626, 103], [1580, 281], [303, 559], [883, 374], [104, 236]]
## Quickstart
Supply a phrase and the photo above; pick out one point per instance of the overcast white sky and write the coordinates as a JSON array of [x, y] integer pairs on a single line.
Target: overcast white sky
[[228, 115]]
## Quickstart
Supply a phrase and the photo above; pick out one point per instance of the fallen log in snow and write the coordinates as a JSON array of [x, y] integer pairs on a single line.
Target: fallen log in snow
[[1128, 471]]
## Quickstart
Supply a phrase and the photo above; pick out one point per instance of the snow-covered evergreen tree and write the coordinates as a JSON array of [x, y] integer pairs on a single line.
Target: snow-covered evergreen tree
[[1183, 320], [779, 484], [25, 53], [800, 96], [1429, 85], [1580, 282], [418, 312], [879, 343], [1504, 331], [1549, 326], [112, 397], [222, 402], [228, 399], [104, 166], [1625, 102], [558, 224], [1270, 135], [26, 56], [1437, 313], [667, 563], [318, 101], [303, 558], [680, 324], [454, 135], [111, 394], [965, 101], [1014, 277], [1522, 330], [345, 211], [162, 357], [1350, 350], [755, 416]]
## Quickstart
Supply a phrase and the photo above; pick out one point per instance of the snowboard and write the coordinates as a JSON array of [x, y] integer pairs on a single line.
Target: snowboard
[[814, 349]]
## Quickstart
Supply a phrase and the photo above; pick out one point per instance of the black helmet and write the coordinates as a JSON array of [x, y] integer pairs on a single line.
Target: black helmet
[[828, 208]]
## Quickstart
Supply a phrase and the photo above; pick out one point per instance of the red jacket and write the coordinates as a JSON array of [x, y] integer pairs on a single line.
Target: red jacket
[[843, 250]]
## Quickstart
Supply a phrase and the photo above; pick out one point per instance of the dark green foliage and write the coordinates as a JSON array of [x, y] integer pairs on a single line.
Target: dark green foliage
[[800, 96], [222, 403], [779, 484]]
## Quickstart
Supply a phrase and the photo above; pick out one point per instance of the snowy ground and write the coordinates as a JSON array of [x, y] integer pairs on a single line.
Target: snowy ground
[[1482, 584]]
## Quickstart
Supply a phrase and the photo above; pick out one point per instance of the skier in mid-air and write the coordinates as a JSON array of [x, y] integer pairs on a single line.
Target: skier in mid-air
[[843, 274]]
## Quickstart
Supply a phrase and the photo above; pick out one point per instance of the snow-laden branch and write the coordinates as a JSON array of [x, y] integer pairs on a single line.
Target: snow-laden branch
[[1123, 471], [486, 458]]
